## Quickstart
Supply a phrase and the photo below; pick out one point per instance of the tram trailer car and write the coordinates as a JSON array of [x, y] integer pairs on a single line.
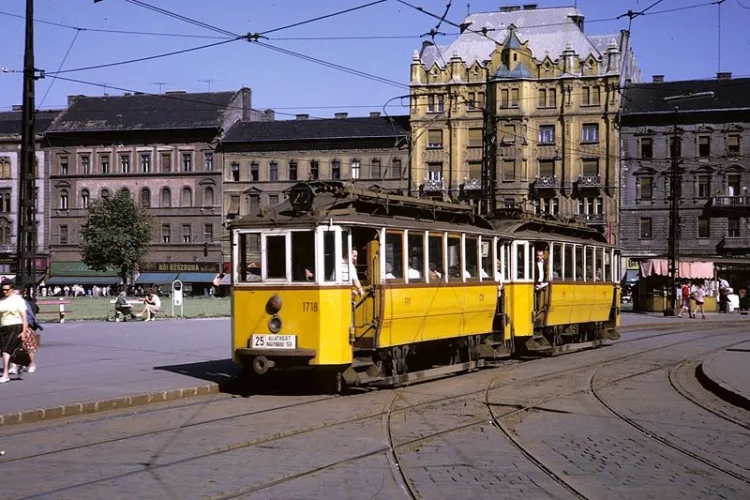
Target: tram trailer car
[[372, 288]]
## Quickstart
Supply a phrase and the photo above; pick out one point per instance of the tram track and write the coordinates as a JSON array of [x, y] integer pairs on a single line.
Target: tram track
[[391, 445], [193, 425], [593, 389]]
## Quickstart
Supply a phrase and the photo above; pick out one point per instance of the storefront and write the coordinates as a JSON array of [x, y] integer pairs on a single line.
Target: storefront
[[197, 277], [78, 273], [652, 290]]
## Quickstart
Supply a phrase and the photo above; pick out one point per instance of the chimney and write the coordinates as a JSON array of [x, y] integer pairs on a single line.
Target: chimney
[[724, 75], [341, 116], [17, 107], [72, 98], [578, 20], [375, 114], [271, 114], [529, 6], [510, 8], [657, 79], [303, 116], [245, 103]]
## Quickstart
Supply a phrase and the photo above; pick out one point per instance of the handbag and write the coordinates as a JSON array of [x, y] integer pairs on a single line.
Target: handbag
[[20, 357]]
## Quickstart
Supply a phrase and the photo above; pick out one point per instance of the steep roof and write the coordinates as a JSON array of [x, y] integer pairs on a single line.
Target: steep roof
[[144, 112], [648, 98], [317, 129], [11, 121], [548, 32]]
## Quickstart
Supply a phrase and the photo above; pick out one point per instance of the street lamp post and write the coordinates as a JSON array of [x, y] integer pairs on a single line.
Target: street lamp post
[[675, 193]]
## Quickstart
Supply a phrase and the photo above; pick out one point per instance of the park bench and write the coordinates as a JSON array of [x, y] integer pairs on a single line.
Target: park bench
[[131, 302], [60, 311]]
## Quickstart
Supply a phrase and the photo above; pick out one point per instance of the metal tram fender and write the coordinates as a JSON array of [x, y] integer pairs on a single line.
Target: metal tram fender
[[443, 290]]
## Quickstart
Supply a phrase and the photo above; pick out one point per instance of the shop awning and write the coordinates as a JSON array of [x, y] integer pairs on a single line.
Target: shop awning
[[156, 278], [83, 280], [196, 277], [685, 270]]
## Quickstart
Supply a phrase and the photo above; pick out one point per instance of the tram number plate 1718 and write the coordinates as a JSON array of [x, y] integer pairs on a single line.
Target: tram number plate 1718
[[274, 341]]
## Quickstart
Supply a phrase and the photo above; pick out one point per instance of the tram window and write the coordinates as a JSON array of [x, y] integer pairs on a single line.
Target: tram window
[[435, 254], [276, 257], [303, 256], [589, 264], [607, 265], [486, 256], [568, 266], [416, 257], [521, 261], [599, 265], [501, 265], [394, 256], [472, 258], [579, 263], [329, 256], [249, 257], [454, 258], [557, 260]]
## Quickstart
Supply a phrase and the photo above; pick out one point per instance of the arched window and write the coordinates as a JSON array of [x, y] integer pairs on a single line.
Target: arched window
[[208, 197], [105, 193], [125, 191], [64, 199], [166, 198], [145, 197], [85, 198], [186, 200]]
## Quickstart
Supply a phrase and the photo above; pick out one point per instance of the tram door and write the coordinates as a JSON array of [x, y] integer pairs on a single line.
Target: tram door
[[367, 308]]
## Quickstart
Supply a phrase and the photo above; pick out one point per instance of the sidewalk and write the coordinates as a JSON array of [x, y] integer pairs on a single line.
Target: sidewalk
[[92, 366], [81, 364], [727, 374]]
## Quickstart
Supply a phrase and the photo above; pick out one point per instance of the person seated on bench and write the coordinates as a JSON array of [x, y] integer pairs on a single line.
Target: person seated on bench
[[153, 306], [122, 306]]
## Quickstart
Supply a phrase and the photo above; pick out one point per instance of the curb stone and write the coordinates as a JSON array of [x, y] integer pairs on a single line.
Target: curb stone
[[710, 381], [121, 402]]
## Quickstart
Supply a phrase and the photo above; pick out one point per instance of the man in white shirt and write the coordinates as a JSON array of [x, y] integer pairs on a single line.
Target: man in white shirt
[[540, 281]]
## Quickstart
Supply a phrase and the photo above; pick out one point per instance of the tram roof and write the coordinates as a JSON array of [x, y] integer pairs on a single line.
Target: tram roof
[[346, 203]]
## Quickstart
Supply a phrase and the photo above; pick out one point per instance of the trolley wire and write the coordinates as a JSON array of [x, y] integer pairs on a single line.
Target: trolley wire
[[180, 17], [320, 18], [65, 58]]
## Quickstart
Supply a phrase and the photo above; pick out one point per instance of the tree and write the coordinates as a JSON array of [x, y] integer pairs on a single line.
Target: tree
[[117, 234]]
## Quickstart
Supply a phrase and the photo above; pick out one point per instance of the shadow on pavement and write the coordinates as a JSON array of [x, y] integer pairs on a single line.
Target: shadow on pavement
[[220, 371]]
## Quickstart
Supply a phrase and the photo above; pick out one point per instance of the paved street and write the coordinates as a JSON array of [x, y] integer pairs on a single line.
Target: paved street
[[628, 421]]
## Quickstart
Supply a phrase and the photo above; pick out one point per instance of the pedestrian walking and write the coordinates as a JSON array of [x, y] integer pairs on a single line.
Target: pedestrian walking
[[685, 300], [13, 323], [700, 297]]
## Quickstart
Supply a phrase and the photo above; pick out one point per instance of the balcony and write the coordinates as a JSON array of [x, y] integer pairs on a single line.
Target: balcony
[[589, 182], [7, 249], [473, 184], [433, 185], [546, 182], [591, 219], [726, 201], [737, 242]]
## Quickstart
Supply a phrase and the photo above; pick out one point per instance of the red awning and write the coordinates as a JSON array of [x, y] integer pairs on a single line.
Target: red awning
[[686, 270]]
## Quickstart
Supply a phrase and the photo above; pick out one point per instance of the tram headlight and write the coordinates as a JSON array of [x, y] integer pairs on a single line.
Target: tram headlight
[[275, 324]]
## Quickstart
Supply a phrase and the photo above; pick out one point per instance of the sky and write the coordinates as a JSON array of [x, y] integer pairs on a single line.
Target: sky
[[671, 39]]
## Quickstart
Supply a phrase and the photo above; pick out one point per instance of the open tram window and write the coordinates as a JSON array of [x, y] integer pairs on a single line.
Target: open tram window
[[485, 255], [557, 261], [578, 263], [522, 261], [599, 264], [568, 265], [435, 257], [394, 255], [276, 257], [471, 244], [416, 257], [249, 257], [454, 258], [589, 276], [329, 255], [303, 256]]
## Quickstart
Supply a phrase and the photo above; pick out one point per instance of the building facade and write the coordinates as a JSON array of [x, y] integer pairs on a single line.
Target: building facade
[[10, 157], [525, 96], [263, 159], [161, 149], [713, 159]]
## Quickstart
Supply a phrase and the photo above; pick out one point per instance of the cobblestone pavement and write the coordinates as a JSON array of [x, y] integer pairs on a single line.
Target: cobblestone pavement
[[625, 421]]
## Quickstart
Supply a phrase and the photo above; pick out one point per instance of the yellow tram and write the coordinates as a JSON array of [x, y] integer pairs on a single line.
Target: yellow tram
[[374, 288]]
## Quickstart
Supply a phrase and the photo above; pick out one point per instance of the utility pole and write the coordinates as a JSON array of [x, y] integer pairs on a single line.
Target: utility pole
[[489, 153], [26, 235], [675, 193]]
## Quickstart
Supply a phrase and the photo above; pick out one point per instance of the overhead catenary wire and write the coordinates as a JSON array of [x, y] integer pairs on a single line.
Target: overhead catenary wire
[[62, 63], [180, 17], [320, 18]]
